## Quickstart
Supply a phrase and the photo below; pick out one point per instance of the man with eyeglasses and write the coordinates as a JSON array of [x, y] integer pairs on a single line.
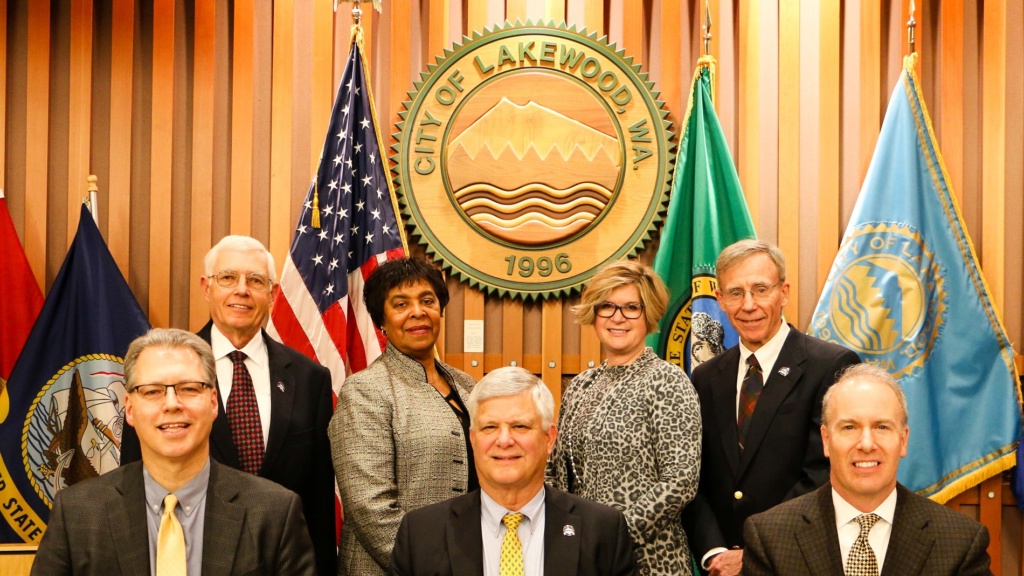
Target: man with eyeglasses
[[276, 403], [177, 511], [760, 407]]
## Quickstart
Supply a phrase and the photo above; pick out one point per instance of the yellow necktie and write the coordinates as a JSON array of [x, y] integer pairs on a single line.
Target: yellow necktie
[[511, 548], [170, 542]]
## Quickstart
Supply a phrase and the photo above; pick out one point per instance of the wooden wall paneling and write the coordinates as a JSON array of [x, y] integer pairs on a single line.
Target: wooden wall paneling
[[516, 10], [552, 10], [991, 512], [749, 99], [870, 83], [118, 195], [768, 120], [950, 123], [1014, 214], [512, 332], [37, 141], [634, 29], [323, 85], [994, 112], [439, 17], [204, 89], [161, 148], [473, 310], [828, 120], [789, 221], [242, 116], [551, 348], [672, 81], [281, 130], [725, 49], [80, 109], [399, 67], [342, 22], [593, 14], [810, 64]]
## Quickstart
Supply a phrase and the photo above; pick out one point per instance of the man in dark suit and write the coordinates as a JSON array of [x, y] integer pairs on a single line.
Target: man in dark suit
[[286, 439], [760, 408], [176, 509], [864, 522], [514, 517]]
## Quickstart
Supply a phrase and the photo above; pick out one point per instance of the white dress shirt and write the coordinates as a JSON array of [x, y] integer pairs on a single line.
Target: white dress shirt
[[257, 361], [530, 530], [849, 528]]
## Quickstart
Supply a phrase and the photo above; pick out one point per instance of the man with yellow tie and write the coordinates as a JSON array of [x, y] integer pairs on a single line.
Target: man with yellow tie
[[514, 525], [177, 512]]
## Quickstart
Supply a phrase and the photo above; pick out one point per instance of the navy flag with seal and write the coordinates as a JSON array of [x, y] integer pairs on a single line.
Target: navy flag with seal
[[67, 389], [906, 292]]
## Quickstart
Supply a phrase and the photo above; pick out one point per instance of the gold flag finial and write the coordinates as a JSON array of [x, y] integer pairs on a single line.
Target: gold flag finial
[[357, 11], [707, 29], [911, 24]]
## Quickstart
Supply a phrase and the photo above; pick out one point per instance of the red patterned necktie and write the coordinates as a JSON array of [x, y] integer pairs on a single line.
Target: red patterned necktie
[[751, 389], [244, 415]]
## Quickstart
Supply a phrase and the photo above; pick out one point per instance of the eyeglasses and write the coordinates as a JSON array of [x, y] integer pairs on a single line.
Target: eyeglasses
[[760, 293], [630, 310], [185, 391], [254, 280]]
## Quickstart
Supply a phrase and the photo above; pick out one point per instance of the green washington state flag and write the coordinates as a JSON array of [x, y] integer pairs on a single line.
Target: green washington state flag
[[706, 213]]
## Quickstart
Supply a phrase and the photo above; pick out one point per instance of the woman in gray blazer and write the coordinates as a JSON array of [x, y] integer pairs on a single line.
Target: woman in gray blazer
[[400, 432]]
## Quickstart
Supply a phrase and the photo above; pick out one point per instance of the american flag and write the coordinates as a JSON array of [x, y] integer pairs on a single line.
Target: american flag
[[347, 228]]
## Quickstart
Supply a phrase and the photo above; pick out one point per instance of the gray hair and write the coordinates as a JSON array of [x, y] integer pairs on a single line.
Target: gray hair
[[238, 244], [510, 381], [174, 339], [735, 253], [866, 371]]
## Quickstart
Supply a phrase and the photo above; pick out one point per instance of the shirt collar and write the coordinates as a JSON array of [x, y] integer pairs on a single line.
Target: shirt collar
[[492, 512], [189, 496], [845, 512], [255, 350], [768, 353]]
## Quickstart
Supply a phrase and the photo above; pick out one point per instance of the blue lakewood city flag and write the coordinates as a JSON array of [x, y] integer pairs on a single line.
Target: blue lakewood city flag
[[906, 292], [706, 213], [67, 389]]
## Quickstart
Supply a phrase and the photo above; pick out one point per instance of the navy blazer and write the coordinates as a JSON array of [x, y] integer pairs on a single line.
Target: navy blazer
[[445, 539], [783, 457]]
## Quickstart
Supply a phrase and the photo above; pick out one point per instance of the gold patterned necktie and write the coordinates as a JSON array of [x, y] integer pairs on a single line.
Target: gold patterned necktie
[[170, 542], [511, 548], [862, 561]]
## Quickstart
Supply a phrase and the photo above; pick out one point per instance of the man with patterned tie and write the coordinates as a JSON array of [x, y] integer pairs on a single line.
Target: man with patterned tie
[[177, 512], [276, 403], [514, 525], [864, 523], [760, 407]]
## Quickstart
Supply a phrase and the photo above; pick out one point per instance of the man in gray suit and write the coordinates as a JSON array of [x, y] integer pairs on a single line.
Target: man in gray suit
[[177, 509], [864, 522]]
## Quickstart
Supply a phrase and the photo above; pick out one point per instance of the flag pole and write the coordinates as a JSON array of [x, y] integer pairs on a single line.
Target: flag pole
[[911, 24], [92, 200]]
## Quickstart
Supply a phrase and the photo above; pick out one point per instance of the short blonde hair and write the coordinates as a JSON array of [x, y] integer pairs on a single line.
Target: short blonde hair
[[653, 294], [735, 253]]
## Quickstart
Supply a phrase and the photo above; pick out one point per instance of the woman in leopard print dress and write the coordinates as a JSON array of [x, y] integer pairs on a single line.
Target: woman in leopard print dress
[[629, 430]]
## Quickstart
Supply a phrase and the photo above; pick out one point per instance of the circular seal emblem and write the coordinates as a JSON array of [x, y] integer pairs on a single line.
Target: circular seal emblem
[[700, 329], [885, 298], [73, 428], [530, 156]]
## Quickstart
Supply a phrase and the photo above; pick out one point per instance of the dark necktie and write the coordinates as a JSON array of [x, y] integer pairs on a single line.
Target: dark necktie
[[862, 561], [751, 389], [244, 416]]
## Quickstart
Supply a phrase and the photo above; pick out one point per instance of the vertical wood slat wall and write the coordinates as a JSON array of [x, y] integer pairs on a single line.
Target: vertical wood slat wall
[[206, 118]]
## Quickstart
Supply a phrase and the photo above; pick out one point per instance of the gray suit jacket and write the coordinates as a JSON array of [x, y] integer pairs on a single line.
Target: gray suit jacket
[[98, 527], [800, 537], [397, 446], [446, 539]]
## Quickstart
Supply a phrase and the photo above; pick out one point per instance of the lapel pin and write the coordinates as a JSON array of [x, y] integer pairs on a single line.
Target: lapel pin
[[784, 371], [280, 386], [568, 530]]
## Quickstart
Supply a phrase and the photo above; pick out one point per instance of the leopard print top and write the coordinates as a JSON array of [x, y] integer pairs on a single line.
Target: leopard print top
[[630, 437]]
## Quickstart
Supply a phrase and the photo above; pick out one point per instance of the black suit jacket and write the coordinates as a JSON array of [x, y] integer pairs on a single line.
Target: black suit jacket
[[98, 527], [800, 537], [298, 452], [783, 457], [445, 539]]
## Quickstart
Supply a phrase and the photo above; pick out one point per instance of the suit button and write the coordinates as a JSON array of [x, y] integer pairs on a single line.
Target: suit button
[[737, 495]]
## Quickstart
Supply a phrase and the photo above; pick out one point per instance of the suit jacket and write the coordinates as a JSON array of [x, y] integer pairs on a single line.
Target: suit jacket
[[397, 446], [445, 539], [783, 457], [298, 453], [98, 527], [800, 537]]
